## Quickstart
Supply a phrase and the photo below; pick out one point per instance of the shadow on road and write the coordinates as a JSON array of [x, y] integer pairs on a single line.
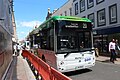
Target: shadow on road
[[72, 73], [106, 61]]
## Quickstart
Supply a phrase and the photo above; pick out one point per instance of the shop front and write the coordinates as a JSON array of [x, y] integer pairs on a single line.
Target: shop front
[[104, 36]]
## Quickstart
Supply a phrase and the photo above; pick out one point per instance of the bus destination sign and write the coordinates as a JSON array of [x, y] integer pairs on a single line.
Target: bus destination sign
[[76, 25]]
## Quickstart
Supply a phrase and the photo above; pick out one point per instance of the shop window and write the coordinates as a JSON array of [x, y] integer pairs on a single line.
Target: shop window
[[113, 13]]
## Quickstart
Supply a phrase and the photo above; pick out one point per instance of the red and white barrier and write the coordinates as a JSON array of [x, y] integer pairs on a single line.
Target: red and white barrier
[[43, 69]]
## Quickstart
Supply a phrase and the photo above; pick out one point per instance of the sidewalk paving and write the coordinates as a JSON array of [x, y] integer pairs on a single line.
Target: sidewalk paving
[[106, 59], [19, 70]]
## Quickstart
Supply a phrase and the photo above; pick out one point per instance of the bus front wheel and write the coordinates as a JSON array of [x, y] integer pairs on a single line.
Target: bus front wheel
[[43, 58]]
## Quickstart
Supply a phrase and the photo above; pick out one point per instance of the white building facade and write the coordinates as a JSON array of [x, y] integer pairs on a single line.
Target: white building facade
[[6, 15], [105, 15], [7, 19], [65, 10], [6, 35]]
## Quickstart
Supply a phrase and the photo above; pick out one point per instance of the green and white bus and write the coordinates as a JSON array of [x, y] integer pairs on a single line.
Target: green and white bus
[[66, 43]]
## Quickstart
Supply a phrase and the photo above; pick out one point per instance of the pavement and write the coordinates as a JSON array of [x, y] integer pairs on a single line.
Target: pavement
[[19, 70], [106, 59]]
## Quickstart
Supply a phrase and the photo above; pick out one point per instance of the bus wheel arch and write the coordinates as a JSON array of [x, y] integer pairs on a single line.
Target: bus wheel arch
[[43, 58]]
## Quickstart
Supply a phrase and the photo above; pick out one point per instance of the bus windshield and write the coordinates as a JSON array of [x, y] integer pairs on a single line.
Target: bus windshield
[[73, 39]]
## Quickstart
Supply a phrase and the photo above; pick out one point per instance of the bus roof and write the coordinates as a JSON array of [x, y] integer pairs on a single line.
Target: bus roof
[[54, 18], [70, 18], [34, 31]]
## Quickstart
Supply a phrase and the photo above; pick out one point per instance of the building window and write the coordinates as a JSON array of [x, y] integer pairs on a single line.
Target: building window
[[101, 17], [90, 3], [82, 5], [70, 11], [91, 17], [76, 8], [113, 13], [65, 13], [99, 1], [9, 9], [74, 0], [83, 16]]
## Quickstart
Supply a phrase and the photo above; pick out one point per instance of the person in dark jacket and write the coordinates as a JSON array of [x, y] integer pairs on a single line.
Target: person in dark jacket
[[116, 49], [97, 48]]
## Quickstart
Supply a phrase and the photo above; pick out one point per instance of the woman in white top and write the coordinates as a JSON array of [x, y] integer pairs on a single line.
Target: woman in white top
[[112, 50]]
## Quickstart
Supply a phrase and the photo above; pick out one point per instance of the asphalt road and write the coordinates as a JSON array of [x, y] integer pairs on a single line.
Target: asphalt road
[[101, 71]]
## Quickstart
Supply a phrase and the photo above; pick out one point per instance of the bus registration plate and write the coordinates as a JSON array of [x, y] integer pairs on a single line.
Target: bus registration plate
[[79, 67]]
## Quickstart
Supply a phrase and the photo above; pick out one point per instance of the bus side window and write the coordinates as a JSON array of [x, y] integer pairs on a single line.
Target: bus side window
[[44, 41], [51, 36], [51, 39], [51, 43], [48, 42]]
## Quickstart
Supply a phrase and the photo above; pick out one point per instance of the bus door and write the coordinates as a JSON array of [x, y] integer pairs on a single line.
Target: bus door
[[85, 46]]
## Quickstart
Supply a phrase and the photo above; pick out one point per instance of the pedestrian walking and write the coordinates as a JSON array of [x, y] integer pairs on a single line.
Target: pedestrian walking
[[18, 49], [97, 47], [117, 48], [15, 49], [112, 50]]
